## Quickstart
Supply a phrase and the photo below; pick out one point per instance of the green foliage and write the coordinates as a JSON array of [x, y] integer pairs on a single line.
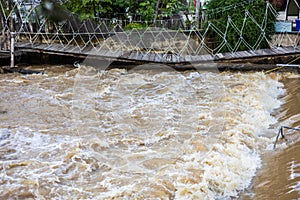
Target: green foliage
[[166, 7], [135, 26], [173, 6], [221, 10], [97, 8], [147, 10], [118, 8]]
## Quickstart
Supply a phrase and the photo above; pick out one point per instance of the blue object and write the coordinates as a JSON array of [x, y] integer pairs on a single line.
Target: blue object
[[282, 27], [297, 24]]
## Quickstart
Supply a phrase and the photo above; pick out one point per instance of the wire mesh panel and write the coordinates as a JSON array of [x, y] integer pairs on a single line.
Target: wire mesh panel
[[64, 31]]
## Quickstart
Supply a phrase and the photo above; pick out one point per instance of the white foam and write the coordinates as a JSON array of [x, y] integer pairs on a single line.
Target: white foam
[[145, 135]]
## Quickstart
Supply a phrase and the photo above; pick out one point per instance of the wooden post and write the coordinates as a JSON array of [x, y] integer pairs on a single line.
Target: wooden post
[[197, 17], [12, 49]]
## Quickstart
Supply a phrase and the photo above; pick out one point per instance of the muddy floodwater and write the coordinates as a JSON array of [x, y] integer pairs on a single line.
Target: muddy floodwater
[[148, 134], [279, 177]]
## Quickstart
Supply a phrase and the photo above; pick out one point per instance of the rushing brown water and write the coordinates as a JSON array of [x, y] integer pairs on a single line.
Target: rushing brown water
[[279, 177], [138, 134]]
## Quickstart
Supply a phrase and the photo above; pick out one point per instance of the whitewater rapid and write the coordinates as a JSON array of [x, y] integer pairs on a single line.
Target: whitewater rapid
[[137, 134]]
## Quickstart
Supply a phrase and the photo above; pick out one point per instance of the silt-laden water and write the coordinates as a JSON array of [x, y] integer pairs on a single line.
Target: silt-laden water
[[137, 134]]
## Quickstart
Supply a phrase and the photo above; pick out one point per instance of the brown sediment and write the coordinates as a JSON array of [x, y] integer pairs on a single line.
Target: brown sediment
[[279, 178]]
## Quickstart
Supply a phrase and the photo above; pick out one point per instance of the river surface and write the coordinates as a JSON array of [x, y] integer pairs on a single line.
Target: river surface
[[279, 177], [148, 134]]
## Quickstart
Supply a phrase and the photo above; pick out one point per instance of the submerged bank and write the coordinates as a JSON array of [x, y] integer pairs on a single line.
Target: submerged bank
[[134, 133]]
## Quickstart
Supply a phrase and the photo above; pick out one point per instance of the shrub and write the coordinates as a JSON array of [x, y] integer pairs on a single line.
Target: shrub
[[220, 11], [135, 26]]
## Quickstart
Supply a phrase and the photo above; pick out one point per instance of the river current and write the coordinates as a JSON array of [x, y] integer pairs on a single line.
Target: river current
[[138, 134]]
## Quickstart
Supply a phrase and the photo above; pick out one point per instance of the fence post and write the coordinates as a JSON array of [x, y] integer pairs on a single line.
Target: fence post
[[12, 49]]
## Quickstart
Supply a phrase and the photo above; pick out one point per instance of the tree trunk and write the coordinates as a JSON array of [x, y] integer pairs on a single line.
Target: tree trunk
[[197, 17], [11, 19], [20, 21], [156, 11], [3, 36]]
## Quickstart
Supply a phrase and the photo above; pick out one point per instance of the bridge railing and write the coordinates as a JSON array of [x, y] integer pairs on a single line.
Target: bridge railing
[[106, 36]]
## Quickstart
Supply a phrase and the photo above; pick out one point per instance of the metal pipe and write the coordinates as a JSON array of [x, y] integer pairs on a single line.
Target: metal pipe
[[280, 132]]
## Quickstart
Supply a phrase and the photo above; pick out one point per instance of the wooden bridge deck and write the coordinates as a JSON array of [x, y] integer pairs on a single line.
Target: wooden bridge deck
[[149, 56], [4, 55]]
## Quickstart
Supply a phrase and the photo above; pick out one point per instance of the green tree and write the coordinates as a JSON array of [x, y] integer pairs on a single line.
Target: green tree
[[148, 10], [90, 8], [171, 7], [220, 11]]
